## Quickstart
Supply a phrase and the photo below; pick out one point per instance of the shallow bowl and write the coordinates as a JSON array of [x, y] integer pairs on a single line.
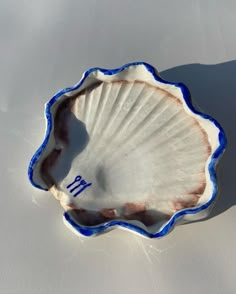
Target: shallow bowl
[[125, 148]]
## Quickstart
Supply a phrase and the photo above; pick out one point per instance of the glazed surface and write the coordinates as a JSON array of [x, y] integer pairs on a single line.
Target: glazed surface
[[126, 150]]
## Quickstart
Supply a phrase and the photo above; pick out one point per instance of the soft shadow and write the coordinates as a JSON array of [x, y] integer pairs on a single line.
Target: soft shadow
[[69, 132], [78, 140], [93, 218], [213, 91]]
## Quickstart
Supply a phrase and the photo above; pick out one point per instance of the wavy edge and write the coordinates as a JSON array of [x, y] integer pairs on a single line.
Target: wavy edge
[[90, 231]]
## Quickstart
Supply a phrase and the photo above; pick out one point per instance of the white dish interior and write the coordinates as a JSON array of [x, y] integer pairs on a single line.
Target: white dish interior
[[127, 147]]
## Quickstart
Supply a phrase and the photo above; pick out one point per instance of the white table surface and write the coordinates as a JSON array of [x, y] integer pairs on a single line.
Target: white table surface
[[45, 46]]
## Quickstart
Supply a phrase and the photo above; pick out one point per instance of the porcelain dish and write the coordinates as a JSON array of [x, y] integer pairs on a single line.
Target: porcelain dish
[[125, 148]]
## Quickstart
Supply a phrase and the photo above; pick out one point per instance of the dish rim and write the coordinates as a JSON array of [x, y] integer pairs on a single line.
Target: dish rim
[[169, 225]]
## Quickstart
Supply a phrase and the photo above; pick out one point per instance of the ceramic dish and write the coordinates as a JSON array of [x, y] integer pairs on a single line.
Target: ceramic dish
[[125, 148]]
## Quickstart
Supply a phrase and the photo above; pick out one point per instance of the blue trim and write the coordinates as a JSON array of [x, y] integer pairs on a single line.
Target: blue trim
[[89, 231]]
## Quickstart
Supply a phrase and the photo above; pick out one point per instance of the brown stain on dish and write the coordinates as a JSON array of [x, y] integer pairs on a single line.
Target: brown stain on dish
[[137, 212], [183, 204], [88, 89], [199, 190], [71, 206], [93, 218], [202, 185], [61, 120], [177, 100], [204, 136], [132, 208], [110, 213]]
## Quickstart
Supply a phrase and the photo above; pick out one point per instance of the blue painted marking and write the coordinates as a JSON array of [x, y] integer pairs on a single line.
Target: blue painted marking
[[89, 231], [82, 189], [81, 183], [77, 179]]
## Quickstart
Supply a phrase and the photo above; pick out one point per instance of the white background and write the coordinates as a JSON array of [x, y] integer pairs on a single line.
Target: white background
[[45, 46]]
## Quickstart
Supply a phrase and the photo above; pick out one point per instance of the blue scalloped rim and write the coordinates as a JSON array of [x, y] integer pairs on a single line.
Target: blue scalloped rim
[[89, 231]]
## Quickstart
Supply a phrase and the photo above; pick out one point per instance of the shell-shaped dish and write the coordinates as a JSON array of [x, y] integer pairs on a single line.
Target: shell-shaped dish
[[125, 148]]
